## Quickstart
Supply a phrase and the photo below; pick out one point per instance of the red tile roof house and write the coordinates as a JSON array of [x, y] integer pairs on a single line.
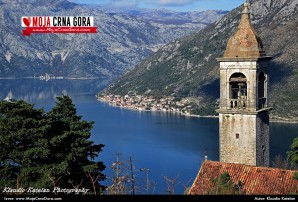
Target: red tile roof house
[[254, 180]]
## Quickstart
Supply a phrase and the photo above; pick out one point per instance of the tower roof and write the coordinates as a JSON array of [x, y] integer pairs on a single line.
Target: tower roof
[[245, 43]]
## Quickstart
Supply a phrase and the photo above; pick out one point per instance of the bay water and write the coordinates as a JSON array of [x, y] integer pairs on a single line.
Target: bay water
[[166, 149]]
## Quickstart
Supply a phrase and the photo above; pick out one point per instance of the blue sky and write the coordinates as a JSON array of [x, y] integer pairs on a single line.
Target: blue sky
[[177, 5]]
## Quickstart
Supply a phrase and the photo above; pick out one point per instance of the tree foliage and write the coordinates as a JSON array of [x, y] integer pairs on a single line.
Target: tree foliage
[[224, 185], [46, 150], [293, 154], [22, 143]]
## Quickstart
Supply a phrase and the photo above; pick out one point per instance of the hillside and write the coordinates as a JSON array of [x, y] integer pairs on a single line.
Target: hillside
[[122, 41], [187, 67]]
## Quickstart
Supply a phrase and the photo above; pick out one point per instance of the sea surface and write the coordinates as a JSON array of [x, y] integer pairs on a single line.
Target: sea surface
[[166, 149]]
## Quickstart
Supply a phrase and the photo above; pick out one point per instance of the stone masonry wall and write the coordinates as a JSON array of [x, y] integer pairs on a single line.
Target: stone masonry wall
[[241, 149], [262, 146]]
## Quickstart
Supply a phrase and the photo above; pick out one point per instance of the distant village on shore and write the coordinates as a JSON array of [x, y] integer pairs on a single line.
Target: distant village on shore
[[148, 103]]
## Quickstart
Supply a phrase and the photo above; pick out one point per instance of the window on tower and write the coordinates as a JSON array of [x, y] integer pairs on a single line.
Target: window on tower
[[238, 91], [261, 91]]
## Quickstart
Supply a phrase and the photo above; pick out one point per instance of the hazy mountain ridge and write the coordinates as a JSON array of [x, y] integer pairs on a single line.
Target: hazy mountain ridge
[[187, 67], [121, 42], [166, 16]]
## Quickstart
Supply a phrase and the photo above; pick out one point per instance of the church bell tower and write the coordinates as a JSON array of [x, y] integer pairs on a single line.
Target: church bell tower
[[244, 110]]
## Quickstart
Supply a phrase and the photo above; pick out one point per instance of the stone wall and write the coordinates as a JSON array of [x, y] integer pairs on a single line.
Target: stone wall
[[241, 149], [262, 147], [244, 138]]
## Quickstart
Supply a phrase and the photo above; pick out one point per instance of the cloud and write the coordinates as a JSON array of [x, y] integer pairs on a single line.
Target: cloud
[[125, 3], [175, 2], [118, 3]]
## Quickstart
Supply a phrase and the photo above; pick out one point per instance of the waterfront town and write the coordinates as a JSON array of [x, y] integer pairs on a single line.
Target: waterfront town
[[148, 103]]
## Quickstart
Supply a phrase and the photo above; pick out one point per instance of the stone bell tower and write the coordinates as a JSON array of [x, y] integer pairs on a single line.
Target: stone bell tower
[[244, 110]]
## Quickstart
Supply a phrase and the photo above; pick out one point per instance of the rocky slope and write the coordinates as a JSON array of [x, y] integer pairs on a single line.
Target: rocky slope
[[121, 42], [187, 67]]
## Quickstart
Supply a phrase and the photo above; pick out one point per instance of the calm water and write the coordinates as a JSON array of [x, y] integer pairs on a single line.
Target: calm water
[[165, 144]]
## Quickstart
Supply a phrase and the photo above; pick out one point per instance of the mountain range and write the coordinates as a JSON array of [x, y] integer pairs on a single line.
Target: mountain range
[[122, 41], [187, 67], [165, 16]]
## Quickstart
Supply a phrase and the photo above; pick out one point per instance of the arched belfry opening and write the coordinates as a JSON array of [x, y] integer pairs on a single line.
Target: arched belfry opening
[[261, 91], [238, 91]]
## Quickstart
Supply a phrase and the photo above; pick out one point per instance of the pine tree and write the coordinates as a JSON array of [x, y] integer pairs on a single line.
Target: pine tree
[[22, 130], [72, 154], [47, 150]]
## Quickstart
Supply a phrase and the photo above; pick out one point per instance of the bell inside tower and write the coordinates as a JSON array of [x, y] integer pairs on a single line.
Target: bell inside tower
[[238, 91]]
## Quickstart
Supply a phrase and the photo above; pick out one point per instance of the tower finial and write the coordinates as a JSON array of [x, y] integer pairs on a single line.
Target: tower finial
[[246, 8], [245, 43]]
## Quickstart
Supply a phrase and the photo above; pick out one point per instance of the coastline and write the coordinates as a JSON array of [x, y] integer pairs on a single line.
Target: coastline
[[273, 119], [282, 120], [145, 110]]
